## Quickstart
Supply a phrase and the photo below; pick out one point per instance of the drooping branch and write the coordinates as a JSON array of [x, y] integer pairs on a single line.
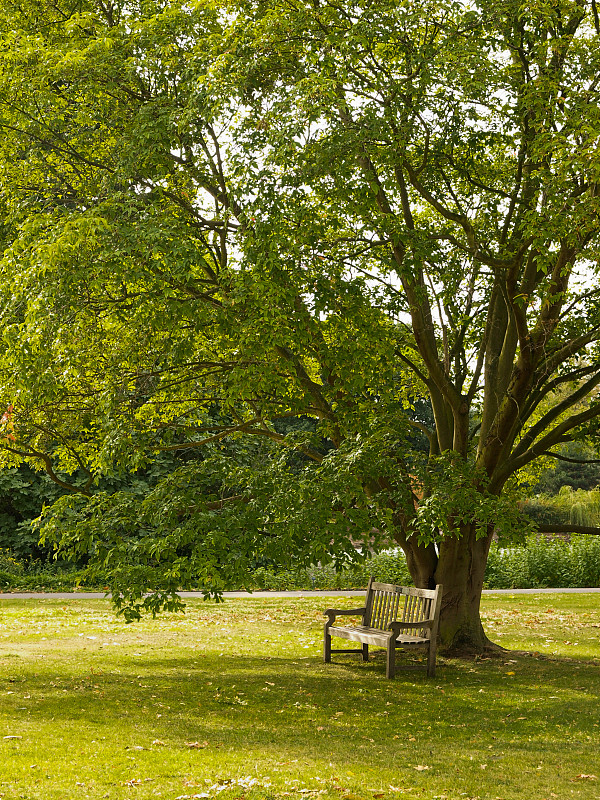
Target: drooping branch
[[247, 429], [555, 412], [536, 397], [46, 461], [560, 457], [561, 433], [590, 531]]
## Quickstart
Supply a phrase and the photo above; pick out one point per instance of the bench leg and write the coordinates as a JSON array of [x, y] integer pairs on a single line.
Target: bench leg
[[326, 645], [390, 667], [365, 652], [431, 660]]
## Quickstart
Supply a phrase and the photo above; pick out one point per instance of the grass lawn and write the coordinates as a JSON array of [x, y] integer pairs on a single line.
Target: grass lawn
[[233, 700]]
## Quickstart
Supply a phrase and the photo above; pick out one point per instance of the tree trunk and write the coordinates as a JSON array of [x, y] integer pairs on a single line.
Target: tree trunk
[[461, 570]]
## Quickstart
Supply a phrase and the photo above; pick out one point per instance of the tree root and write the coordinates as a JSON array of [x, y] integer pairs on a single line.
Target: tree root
[[468, 651]]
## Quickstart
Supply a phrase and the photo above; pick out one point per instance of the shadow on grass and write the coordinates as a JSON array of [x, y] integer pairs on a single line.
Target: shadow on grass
[[303, 704]]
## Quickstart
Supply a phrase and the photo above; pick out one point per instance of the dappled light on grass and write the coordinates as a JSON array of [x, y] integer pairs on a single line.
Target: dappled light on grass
[[233, 701]]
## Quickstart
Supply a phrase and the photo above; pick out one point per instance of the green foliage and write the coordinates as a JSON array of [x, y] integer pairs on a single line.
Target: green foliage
[[389, 567], [580, 507], [219, 217], [31, 575], [182, 533], [545, 513], [545, 563], [537, 563], [23, 493], [565, 473], [9, 564], [455, 498]]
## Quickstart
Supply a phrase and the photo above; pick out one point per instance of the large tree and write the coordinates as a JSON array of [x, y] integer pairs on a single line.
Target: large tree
[[223, 216]]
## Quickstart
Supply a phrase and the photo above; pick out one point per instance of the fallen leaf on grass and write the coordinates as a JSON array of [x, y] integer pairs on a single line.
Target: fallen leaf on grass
[[133, 782], [421, 767], [196, 745], [583, 777], [158, 743], [191, 796]]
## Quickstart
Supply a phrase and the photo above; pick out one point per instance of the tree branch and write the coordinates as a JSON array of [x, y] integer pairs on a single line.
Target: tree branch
[[572, 460], [569, 529]]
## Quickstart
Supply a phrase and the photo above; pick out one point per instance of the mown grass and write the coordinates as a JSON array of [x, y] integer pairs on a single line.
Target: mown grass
[[233, 700]]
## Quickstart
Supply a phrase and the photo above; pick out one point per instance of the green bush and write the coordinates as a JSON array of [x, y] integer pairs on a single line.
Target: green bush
[[537, 564], [388, 567], [545, 513], [44, 582], [546, 564], [36, 575], [540, 563], [9, 565]]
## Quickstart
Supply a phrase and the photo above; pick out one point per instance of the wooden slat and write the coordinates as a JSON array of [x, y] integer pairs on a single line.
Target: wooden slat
[[375, 615], [387, 603], [391, 613], [410, 590], [411, 609], [382, 607], [411, 638], [380, 604], [376, 611], [420, 614], [360, 633], [395, 609], [369, 603], [426, 615], [384, 587]]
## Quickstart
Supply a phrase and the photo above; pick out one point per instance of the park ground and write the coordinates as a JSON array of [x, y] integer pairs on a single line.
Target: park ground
[[232, 700]]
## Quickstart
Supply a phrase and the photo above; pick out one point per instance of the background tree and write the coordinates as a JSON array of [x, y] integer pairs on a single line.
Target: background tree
[[223, 217]]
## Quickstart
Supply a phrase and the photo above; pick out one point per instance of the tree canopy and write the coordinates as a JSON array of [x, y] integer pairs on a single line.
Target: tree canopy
[[220, 217]]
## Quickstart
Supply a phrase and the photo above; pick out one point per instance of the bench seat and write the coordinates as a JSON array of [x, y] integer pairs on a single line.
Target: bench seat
[[366, 635], [393, 616]]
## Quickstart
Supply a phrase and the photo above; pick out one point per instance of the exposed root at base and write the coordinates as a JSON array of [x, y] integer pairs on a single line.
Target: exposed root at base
[[469, 651]]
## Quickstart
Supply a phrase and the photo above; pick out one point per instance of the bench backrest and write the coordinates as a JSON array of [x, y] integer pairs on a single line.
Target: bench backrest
[[387, 603]]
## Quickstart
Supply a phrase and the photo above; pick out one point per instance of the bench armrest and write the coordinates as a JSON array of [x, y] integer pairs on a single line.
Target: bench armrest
[[398, 625], [332, 613]]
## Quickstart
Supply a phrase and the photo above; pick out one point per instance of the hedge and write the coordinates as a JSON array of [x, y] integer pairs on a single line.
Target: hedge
[[540, 563]]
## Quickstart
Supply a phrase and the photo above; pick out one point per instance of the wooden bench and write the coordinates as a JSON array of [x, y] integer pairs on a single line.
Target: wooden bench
[[393, 616]]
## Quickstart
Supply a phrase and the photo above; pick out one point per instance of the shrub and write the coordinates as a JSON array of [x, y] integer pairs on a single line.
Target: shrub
[[388, 567], [543, 563], [538, 564], [9, 564]]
